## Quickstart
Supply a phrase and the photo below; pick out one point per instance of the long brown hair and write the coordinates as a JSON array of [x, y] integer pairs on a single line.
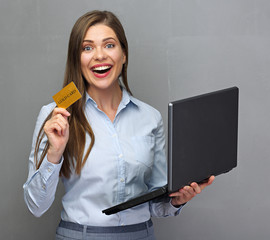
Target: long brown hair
[[79, 126]]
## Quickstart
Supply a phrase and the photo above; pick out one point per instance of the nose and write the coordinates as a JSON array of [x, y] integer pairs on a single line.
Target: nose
[[100, 54]]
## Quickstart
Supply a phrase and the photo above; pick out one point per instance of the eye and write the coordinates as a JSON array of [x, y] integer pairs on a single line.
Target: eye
[[87, 48], [110, 45]]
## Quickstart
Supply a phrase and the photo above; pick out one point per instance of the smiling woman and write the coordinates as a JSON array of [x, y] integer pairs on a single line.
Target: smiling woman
[[92, 145]]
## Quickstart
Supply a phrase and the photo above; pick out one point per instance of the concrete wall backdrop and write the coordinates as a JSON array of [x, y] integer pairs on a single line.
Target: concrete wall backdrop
[[178, 48]]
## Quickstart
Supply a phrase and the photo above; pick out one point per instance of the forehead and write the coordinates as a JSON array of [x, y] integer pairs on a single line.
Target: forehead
[[99, 32]]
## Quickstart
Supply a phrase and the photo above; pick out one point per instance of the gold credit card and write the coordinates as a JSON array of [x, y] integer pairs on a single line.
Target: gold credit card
[[67, 96]]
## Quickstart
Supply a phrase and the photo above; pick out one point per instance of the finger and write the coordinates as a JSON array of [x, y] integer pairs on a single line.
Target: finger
[[186, 190], [178, 198], [197, 189], [56, 128], [61, 120], [61, 111], [186, 195], [211, 179], [175, 194], [179, 193], [63, 124], [190, 192], [56, 125], [182, 193], [209, 182]]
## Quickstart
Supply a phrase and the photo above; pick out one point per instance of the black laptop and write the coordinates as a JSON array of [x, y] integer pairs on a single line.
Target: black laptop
[[202, 141]]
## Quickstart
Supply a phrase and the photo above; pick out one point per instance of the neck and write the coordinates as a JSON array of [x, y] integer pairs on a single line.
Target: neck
[[107, 100]]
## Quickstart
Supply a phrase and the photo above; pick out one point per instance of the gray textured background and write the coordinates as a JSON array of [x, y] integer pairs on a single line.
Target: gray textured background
[[178, 48]]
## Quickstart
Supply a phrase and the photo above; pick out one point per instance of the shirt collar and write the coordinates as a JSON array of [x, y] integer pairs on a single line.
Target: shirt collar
[[88, 98], [126, 99]]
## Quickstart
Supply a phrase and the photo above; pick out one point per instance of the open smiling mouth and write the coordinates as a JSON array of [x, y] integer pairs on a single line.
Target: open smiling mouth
[[101, 69]]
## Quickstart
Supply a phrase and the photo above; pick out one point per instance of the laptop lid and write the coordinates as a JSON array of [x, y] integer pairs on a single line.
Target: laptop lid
[[203, 133]]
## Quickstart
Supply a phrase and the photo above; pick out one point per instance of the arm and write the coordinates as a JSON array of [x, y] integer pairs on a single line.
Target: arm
[[160, 207], [40, 187]]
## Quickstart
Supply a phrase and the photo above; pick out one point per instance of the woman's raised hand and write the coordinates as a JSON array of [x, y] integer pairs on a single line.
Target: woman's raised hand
[[57, 131]]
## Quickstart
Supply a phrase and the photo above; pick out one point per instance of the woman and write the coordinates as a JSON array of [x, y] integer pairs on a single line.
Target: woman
[[107, 147]]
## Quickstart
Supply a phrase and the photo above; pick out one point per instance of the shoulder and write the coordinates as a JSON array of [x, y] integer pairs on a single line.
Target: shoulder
[[45, 111]]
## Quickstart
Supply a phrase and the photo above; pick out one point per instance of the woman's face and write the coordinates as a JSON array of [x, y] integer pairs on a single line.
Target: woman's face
[[102, 58]]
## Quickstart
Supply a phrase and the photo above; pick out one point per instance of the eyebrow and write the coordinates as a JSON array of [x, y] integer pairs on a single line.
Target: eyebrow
[[104, 40]]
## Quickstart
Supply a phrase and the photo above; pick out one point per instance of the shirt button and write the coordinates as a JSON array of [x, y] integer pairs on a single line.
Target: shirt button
[[49, 170], [120, 155], [43, 186], [122, 179]]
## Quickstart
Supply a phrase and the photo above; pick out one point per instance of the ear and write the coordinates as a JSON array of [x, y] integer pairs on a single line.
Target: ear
[[124, 58]]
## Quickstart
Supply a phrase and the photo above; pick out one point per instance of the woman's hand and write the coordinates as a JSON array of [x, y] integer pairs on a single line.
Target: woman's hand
[[57, 131], [186, 193]]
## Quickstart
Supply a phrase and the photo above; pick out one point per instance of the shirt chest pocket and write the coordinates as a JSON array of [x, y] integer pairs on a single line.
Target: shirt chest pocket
[[144, 149]]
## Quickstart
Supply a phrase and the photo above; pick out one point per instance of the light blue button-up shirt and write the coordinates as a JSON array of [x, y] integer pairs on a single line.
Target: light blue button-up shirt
[[127, 160]]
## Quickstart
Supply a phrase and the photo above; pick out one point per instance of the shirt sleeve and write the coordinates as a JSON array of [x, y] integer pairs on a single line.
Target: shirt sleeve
[[41, 184], [160, 207]]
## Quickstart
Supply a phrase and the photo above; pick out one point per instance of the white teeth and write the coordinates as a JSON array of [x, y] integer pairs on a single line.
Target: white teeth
[[101, 68]]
